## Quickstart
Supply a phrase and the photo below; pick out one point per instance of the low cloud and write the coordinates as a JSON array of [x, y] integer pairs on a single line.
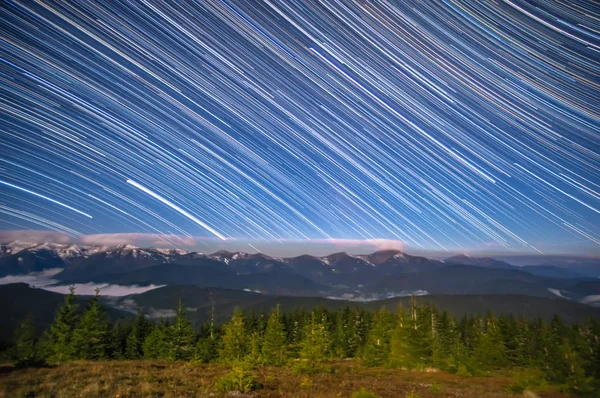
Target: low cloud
[[35, 279], [89, 289], [204, 244], [138, 239], [45, 280], [34, 236]]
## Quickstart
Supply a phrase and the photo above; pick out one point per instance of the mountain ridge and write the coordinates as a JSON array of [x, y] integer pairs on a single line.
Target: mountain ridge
[[385, 273]]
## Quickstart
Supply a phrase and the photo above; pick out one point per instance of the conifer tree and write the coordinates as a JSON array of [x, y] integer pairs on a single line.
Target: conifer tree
[[155, 346], [134, 344], [445, 349], [90, 337], [400, 355], [206, 347], [25, 343], [489, 349], [180, 336], [411, 341], [118, 339], [339, 335], [58, 339], [315, 343], [274, 345], [377, 348], [294, 325], [254, 355], [357, 332], [235, 338]]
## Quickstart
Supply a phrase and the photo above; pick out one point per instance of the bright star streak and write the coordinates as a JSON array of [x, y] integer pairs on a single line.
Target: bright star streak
[[176, 208], [45, 197]]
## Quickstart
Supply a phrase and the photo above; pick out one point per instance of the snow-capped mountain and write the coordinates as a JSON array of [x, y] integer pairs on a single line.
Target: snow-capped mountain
[[381, 272]]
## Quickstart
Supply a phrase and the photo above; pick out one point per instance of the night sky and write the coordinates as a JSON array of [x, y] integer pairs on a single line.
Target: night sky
[[444, 125]]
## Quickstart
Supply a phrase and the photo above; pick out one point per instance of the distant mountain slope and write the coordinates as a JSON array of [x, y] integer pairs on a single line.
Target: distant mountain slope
[[552, 271], [465, 259], [201, 299], [42, 304], [381, 274], [466, 279], [29, 261], [549, 271], [211, 273], [19, 300]]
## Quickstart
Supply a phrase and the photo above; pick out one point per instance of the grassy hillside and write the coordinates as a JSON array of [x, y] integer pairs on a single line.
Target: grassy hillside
[[164, 379]]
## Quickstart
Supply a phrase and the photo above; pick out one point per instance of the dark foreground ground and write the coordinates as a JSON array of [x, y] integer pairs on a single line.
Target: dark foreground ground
[[122, 379]]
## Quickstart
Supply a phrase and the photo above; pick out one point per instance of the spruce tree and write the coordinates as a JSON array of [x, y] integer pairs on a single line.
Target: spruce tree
[[134, 345], [254, 355], [58, 339], [377, 348], [315, 344], [206, 348], [155, 346], [400, 355], [180, 336], [274, 345], [489, 349], [25, 343], [90, 337], [118, 339], [235, 338]]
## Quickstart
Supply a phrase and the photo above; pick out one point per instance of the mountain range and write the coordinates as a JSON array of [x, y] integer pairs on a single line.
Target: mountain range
[[378, 275]]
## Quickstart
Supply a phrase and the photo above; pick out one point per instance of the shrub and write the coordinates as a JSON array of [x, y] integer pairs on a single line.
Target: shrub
[[436, 389], [412, 394], [307, 368], [306, 382], [463, 371], [241, 378], [365, 393], [527, 379]]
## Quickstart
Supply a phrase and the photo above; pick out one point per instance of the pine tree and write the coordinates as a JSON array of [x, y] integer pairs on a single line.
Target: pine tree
[[293, 324], [254, 355], [180, 336], [155, 346], [118, 339], [274, 345], [489, 349], [377, 348], [206, 349], [411, 341], [400, 355], [90, 337], [58, 339], [135, 339], [235, 338], [25, 343], [315, 343], [357, 332]]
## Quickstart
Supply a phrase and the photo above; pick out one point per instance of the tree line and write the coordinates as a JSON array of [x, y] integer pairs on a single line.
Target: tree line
[[416, 337]]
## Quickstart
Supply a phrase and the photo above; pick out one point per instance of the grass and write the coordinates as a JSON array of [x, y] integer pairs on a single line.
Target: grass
[[121, 379]]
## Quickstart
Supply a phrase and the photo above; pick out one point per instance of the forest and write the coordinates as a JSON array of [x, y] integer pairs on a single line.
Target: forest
[[417, 338]]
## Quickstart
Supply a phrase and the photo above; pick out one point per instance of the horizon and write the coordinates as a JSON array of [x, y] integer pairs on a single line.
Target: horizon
[[279, 249]]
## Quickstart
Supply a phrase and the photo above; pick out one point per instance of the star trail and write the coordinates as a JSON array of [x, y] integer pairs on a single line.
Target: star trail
[[442, 124]]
